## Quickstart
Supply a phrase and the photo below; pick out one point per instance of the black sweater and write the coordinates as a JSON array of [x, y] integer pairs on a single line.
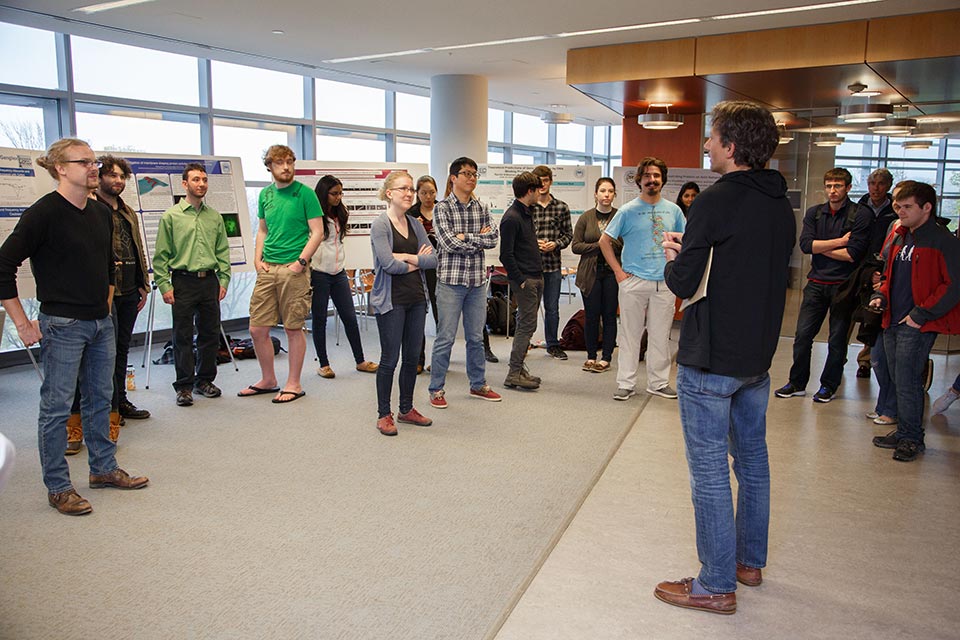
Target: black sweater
[[746, 217], [519, 251], [71, 255]]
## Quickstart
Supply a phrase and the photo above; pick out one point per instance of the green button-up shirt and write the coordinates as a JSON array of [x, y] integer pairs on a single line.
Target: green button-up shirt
[[191, 240]]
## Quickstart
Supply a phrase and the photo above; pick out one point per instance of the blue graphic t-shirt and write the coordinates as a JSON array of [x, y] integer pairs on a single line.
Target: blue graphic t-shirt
[[641, 227], [901, 292]]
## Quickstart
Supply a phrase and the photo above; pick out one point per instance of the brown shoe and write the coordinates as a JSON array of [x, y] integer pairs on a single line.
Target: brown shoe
[[74, 434], [679, 594], [326, 372], [368, 367], [414, 417], [386, 426], [750, 576], [114, 426], [118, 478], [69, 503]]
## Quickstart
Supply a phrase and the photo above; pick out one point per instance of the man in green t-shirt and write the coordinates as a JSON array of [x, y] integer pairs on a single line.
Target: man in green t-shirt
[[290, 230]]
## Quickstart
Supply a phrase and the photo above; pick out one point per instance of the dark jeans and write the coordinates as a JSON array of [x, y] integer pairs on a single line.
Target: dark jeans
[[326, 286], [195, 300], [551, 307], [601, 302], [431, 277], [887, 397], [124, 314], [528, 305], [818, 299], [907, 351], [401, 330]]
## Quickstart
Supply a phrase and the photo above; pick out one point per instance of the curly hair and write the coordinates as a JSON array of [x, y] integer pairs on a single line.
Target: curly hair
[[750, 127]]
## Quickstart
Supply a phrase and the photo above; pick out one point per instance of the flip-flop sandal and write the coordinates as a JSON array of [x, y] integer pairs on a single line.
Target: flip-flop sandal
[[256, 391], [296, 396]]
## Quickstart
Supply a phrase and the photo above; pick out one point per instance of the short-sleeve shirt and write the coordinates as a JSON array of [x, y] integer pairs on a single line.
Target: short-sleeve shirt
[[641, 227], [286, 212]]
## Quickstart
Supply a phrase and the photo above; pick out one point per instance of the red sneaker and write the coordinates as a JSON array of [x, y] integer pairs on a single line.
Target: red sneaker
[[414, 417], [486, 393], [385, 425], [437, 401]]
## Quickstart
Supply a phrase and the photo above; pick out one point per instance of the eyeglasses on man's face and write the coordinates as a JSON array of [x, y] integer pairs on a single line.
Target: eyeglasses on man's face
[[468, 174], [86, 163]]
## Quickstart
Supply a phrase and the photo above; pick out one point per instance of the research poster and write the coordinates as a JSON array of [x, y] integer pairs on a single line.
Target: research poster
[[361, 187], [155, 185], [627, 189]]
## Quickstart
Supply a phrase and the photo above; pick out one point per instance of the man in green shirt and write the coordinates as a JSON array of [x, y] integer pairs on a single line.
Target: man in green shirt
[[290, 230], [191, 264]]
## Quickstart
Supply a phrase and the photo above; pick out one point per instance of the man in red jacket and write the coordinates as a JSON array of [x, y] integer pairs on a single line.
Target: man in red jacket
[[920, 296]]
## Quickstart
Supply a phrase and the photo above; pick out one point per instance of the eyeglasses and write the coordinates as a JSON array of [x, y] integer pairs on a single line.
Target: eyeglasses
[[468, 174], [85, 163], [404, 189]]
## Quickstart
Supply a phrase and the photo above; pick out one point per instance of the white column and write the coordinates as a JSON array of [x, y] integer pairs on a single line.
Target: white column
[[458, 122]]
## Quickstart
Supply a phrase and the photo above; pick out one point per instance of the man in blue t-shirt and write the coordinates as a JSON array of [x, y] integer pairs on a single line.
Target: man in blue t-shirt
[[645, 301]]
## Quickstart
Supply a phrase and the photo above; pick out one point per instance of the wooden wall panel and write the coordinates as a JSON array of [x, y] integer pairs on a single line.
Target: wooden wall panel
[[681, 147], [635, 61], [924, 35]]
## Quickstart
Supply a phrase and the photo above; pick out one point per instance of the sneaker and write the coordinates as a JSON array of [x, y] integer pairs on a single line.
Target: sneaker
[[414, 417], [666, 391], [942, 403], [623, 394], [863, 371], [437, 401], [386, 426], [119, 479], [128, 410], [367, 367], [557, 352], [184, 398], [69, 503], [207, 389], [326, 372], [485, 393], [908, 450], [789, 390], [889, 441], [824, 395]]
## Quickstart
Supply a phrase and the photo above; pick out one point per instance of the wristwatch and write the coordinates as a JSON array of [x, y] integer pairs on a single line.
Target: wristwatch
[[302, 262]]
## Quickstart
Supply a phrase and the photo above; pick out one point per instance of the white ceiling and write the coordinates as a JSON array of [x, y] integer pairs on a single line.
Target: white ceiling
[[527, 77]]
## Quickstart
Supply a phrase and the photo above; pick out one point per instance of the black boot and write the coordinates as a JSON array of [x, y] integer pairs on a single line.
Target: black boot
[[487, 353]]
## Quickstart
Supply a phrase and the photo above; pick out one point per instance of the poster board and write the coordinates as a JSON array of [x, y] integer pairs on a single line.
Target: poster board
[[571, 183], [154, 186], [627, 189], [361, 184]]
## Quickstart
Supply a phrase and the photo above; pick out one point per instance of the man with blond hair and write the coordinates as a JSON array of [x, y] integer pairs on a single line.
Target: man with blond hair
[[289, 233], [68, 237]]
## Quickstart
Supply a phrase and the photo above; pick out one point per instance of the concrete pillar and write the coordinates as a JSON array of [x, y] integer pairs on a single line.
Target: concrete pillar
[[458, 122]]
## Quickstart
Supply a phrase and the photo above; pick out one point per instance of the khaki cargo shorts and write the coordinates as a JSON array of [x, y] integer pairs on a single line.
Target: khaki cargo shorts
[[280, 295]]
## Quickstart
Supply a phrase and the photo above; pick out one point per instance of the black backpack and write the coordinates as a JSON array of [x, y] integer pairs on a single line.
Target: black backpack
[[499, 313], [243, 349]]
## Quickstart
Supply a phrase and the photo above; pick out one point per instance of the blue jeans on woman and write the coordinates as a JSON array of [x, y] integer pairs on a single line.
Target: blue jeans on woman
[[601, 302], [887, 398], [336, 286], [401, 331], [721, 414], [907, 350], [72, 350]]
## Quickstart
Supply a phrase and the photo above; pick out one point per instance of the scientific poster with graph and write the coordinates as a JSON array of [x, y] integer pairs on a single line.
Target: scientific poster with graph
[[155, 186], [361, 186], [627, 189]]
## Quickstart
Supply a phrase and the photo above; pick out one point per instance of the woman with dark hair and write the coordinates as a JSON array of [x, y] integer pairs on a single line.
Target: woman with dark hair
[[401, 253], [688, 192], [595, 278], [422, 210], [329, 279]]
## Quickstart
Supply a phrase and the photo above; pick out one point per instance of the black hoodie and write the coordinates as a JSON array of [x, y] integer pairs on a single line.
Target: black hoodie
[[746, 217]]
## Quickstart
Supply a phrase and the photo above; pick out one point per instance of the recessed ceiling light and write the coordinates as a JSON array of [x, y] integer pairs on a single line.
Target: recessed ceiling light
[[107, 6], [895, 126], [278, 32]]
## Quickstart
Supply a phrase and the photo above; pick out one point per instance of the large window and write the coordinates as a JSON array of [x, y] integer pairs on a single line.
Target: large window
[[21, 126], [29, 55], [249, 140], [339, 144], [350, 104], [529, 130], [142, 131], [240, 88], [572, 137], [413, 150], [413, 113], [495, 125]]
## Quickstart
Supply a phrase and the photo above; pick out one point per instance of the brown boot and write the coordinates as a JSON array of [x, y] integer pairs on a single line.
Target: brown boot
[[69, 503], [114, 426], [74, 434]]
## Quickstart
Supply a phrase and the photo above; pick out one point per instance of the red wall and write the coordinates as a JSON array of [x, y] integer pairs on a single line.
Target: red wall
[[681, 147]]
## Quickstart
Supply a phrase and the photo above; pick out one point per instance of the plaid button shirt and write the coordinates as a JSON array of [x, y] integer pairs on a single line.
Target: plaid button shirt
[[552, 223], [461, 261]]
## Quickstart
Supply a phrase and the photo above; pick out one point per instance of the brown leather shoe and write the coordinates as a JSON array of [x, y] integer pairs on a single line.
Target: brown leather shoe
[[69, 503], [114, 426], [367, 367], [118, 478], [750, 576], [386, 426], [679, 594], [74, 434]]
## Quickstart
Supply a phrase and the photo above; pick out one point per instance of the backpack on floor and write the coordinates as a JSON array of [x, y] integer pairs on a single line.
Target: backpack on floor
[[573, 338], [498, 315], [243, 349]]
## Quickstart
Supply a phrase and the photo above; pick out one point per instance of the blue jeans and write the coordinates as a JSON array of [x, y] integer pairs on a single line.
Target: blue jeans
[[401, 329], [551, 307], [326, 286], [907, 350], [887, 398], [721, 413], [70, 350], [452, 300], [818, 299]]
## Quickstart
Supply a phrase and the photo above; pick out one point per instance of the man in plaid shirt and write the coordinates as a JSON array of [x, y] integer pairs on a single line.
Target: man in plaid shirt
[[464, 229], [551, 219]]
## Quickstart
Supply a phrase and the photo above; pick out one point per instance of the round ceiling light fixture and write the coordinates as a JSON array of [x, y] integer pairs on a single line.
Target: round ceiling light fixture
[[660, 121], [895, 127]]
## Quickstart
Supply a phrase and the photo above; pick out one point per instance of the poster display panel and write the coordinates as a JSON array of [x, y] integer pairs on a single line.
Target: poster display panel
[[627, 189]]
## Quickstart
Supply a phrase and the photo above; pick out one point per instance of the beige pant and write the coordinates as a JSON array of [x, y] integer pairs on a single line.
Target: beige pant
[[644, 304]]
